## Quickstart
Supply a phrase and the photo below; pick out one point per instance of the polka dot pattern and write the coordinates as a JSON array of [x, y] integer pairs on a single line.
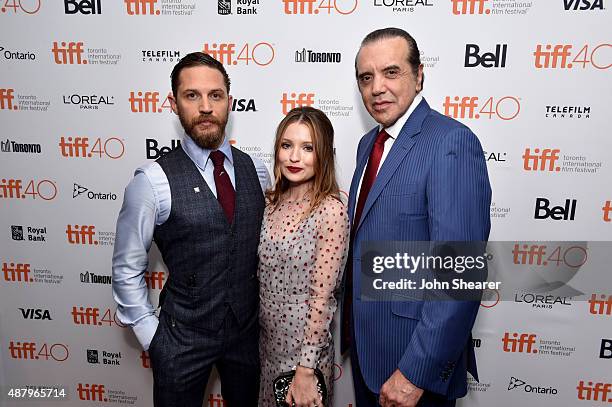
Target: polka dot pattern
[[301, 260]]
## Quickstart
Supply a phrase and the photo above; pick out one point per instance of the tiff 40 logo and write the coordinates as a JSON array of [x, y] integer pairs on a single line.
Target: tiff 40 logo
[[23, 350], [95, 316], [342, 7], [542, 255], [470, 107], [112, 147], [23, 6], [261, 54], [148, 102], [14, 189], [558, 56]]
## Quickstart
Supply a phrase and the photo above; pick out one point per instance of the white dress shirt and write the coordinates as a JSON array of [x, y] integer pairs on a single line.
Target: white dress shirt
[[146, 204]]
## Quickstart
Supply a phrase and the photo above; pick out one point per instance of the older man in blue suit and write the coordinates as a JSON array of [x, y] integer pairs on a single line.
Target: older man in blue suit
[[420, 176]]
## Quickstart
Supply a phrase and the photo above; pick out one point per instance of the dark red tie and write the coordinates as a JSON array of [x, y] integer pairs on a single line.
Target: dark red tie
[[225, 191], [366, 185]]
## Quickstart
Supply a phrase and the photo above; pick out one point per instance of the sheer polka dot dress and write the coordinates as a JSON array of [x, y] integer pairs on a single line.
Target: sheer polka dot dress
[[301, 261]]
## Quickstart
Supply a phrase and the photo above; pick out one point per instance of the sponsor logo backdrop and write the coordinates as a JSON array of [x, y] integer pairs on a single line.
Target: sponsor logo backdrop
[[83, 102]]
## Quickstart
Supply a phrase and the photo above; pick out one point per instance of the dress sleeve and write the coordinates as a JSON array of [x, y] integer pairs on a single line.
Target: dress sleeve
[[332, 233]]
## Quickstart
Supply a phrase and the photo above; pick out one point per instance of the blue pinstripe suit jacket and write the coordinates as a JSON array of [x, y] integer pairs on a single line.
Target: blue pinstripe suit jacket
[[433, 186]]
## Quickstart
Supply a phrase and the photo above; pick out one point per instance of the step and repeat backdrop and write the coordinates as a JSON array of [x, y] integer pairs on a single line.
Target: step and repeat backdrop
[[84, 101]]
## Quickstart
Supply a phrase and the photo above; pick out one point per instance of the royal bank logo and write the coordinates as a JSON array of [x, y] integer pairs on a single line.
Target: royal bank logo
[[108, 358], [243, 7], [310, 56], [28, 233]]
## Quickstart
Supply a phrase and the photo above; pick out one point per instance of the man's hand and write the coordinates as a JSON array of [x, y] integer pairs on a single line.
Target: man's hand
[[399, 392]]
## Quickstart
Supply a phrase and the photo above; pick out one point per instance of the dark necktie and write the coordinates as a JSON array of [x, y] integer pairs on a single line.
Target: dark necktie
[[366, 185], [225, 191]]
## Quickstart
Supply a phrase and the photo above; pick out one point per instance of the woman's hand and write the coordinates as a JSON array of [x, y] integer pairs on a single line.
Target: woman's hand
[[303, 389]]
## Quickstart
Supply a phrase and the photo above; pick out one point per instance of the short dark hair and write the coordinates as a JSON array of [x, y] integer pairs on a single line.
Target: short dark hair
[[197, 59], [414, 55]]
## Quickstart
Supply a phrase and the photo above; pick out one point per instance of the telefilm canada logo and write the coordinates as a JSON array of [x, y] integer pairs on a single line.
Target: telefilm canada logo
[[567, 112], [158, 55]]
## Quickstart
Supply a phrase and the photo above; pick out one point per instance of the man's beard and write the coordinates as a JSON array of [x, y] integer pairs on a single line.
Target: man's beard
[[210, 138]]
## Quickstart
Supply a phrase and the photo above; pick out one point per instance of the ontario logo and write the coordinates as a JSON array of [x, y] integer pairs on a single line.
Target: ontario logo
[[521, 385]]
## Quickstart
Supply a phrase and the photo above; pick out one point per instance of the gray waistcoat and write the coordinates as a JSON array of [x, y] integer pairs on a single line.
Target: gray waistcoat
[[212, 265]]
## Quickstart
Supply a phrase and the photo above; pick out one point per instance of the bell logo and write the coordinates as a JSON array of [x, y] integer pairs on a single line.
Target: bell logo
[[583, 4], [523, 343], [603, 306], [91, 392], [607, 208], [153, 152], [141, 7], [543, 160], [566, 212], [83, 235], [70, 53], [470, 7], [19, 272], [82, 6], [6, 99], [605, 352], [594, 392], [495, 59], [296, 100], [154, 279]]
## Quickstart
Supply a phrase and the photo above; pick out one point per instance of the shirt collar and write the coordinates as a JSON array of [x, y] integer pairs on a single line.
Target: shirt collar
[[395, 129], [200, 155]]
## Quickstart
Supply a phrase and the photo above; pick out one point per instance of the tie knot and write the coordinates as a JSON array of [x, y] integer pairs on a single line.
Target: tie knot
[[217, 158], [382, 137]]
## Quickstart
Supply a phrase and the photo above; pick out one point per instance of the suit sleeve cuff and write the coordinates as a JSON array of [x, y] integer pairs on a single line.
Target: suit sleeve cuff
[[426, 374], [145, 329]]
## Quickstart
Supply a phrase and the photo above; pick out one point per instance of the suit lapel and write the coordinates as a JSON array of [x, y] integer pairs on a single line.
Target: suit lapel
[[402, 145]]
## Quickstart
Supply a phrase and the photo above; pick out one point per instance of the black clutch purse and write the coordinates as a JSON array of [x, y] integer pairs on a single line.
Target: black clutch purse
[[283, 381]]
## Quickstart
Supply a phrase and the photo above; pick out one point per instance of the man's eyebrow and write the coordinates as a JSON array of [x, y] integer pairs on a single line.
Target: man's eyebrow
[[391, 67]]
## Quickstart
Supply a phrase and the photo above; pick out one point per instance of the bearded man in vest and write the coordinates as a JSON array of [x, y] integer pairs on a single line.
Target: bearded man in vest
[[202, 204]]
